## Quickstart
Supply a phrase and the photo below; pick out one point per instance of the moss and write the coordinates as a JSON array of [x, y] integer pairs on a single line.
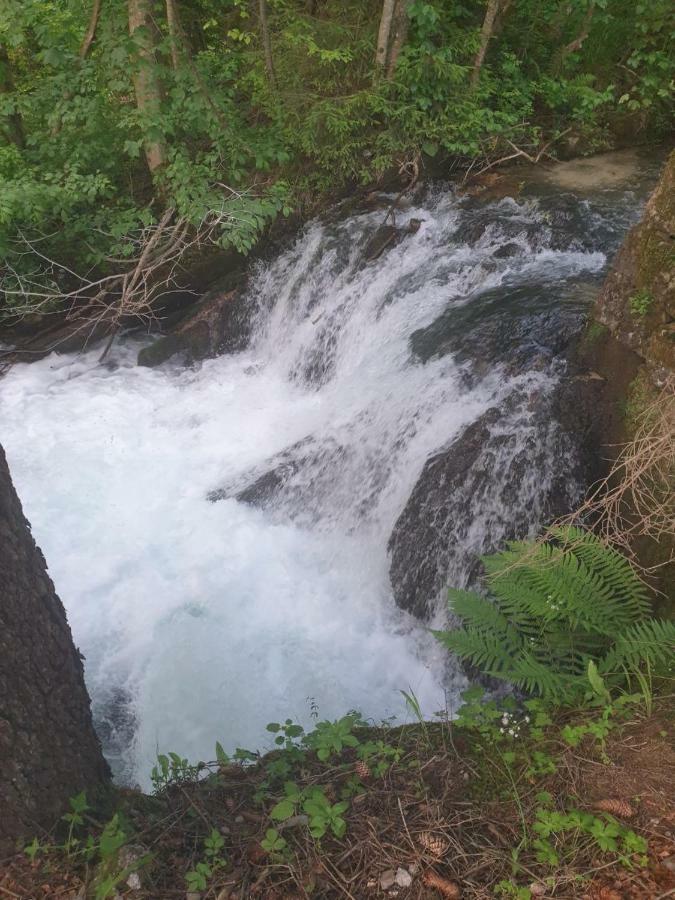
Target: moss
[[654, 257], [640, 303], [593, 332]]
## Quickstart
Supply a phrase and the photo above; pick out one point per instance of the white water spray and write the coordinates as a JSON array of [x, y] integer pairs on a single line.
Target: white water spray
[[206, 620]]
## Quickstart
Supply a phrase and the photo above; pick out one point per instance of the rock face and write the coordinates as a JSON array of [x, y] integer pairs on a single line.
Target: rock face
[[48, 748], [488, 468], [637, 302], [218, 323]]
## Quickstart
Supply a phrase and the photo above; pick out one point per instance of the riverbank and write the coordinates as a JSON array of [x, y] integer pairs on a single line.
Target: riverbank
[[513, 804]]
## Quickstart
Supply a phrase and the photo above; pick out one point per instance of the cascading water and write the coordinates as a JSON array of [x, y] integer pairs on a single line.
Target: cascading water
[[219, 533]]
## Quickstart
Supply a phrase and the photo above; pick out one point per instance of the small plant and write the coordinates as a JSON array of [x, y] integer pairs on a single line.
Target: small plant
[[511, 890], [273, 842], [559, 606], [198, 878], [174, 769], [287, 734], [379, 756], [74, 818], [641, 303], [31, 850], [323, 815], [607, 834], [329, 738]]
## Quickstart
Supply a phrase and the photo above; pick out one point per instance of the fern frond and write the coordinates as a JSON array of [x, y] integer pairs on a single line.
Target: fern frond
[[536, 677], [651, 642], [482, 615], [613, 568], [485, 650]]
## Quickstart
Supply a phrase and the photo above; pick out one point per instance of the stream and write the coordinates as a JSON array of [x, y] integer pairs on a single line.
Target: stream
[[220, 533]]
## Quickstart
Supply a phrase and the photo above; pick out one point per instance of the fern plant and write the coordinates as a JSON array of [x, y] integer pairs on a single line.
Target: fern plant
[[555, 607]]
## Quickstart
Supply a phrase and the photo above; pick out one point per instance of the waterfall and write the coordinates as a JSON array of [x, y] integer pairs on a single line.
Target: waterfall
[[219, 534]]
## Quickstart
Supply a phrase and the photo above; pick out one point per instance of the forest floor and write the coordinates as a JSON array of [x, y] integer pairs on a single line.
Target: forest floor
[[573, 810]]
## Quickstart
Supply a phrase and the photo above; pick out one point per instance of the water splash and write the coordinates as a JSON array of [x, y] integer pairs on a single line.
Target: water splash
[[204, 620]]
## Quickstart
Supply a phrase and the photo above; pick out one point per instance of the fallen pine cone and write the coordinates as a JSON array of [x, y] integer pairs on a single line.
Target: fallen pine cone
[[446, 888], [362, 769], [436, 845], [618, 808]]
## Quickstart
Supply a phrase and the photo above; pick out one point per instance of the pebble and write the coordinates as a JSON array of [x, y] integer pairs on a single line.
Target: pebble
[[403, 878], [387, 879]]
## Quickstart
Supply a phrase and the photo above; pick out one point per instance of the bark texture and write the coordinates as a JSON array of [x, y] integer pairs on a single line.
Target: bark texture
[[384, 34], [146, 79], [485, 35], [48, 748], [266, 42], [401, 24]]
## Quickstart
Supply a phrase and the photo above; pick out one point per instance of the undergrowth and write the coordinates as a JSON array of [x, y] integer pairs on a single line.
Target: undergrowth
[[512, 795]]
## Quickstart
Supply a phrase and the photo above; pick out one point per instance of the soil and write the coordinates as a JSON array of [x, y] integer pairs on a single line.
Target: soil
[[442, 819]]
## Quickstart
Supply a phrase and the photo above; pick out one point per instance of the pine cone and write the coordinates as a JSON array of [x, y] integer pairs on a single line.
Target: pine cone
[[446, 888], [436, 845], [362, 769], [618, 808]]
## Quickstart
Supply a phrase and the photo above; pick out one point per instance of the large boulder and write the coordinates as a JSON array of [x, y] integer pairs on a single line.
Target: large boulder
[[496, 481], [637, 302], [218, 323]]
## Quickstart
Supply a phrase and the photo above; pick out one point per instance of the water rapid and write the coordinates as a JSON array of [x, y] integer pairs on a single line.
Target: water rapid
[[204, 614]]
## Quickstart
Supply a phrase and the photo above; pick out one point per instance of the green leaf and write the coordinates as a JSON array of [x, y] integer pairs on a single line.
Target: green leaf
[[284, 809]]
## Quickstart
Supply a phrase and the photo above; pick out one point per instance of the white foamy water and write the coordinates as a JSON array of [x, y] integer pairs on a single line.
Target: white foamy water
[[210, 619]]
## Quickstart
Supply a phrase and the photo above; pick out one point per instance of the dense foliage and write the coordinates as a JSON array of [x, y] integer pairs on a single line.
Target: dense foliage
[[227, 112], [566, 616]]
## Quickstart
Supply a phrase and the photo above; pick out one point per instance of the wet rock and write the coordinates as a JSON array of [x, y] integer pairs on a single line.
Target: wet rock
[[515, 326], [387, 236], [493, 483], [219, 323], [506, 251], [296, 474], [637, 302]]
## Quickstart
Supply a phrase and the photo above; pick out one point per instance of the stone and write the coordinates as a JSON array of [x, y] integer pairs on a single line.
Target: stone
[[218, 323], [486, 467], [403, 878], [387, 879]]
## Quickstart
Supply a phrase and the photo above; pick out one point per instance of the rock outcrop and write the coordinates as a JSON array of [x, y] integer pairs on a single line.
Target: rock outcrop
[[218, 323], [481, 490], [637, 302], [48, 748]]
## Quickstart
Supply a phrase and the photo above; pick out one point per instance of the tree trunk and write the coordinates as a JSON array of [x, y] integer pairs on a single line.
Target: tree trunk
[[13, 125], [146, 79], [48, 749], [576, 44], [88, 39], [176, 35], [401, 23], [266, 42], [384, 35], [485, 35]]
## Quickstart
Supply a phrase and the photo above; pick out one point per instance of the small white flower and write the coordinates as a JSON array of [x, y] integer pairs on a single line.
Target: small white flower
[[511, 732], [527, 719]]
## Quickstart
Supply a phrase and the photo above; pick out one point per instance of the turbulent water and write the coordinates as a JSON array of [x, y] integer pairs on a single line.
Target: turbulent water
[[204, 618]]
